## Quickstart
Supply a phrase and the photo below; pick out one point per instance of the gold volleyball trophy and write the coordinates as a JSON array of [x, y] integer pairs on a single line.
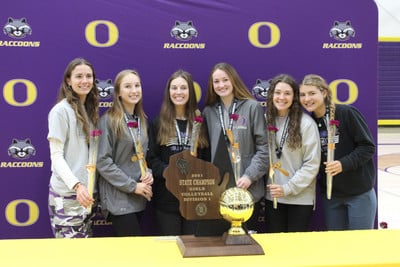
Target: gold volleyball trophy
[[236, 206], [194, 182], [202, 196]]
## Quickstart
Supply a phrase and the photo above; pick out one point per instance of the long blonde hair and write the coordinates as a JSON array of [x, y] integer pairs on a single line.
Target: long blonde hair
[[116, 111]]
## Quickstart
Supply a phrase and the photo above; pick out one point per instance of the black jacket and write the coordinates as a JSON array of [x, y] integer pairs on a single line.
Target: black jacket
[[158, 159], [355, 151]]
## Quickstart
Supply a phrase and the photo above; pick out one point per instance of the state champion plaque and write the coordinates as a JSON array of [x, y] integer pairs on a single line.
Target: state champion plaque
[[196, 184]]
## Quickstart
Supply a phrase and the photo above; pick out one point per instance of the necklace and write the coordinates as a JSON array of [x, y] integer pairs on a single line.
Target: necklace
[[183, 139], [278, 150], [137, 119], [320, 122], [221, 117]]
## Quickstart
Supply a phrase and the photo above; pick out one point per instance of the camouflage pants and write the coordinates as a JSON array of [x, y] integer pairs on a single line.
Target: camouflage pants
[[68, 218]]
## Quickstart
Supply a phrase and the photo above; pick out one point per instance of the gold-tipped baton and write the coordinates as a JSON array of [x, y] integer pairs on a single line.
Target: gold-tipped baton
[[235, 154], [194, 140], [133, 129], [273, 130], [333, 124], [329, 178], [91, 166], [271, 176], [277, 165]]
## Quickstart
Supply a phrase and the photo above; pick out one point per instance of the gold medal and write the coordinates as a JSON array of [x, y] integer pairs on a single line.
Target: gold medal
[[134, 158]]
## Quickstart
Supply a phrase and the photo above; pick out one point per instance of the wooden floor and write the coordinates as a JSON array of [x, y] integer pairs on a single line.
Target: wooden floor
[[389, 176]]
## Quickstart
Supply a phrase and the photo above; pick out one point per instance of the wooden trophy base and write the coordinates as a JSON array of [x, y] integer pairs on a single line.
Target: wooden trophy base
[[193, 246]]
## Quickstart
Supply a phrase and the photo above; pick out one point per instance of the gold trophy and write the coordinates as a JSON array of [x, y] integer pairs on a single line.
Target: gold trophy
[[202, 196], [236, 206]]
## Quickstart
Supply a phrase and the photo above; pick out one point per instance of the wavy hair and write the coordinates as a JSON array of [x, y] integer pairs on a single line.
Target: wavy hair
[[294, 139]]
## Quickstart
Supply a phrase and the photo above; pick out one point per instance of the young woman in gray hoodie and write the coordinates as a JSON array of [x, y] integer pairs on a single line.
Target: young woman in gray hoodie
[[231, 107]]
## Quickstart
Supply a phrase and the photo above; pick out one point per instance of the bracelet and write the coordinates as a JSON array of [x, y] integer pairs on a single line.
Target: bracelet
[[76, 186]]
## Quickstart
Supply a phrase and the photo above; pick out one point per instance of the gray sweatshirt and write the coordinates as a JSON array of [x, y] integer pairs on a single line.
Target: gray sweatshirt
[[302, 164], [252, 138], [118, 174]]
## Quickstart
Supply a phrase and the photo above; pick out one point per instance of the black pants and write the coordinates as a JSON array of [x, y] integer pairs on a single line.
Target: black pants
[[287, 218], [254, 223], [126, 224], [172, 223]]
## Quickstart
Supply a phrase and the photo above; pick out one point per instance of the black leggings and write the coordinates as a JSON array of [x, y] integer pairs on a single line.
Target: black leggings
[[126, 224], [287, 218]]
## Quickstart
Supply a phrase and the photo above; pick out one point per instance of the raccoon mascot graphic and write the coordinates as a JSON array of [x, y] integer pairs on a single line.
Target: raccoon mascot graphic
[[21, 149], [342, 31], [183, 31], [17, 28], [260, 89], [106, 88]]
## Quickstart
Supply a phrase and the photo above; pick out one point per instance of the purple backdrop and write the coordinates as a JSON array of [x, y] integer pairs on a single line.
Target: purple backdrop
[[260, 38]]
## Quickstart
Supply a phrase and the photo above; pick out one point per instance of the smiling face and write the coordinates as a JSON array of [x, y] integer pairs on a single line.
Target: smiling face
[[222, 84], [283, 98], [81, 81], [312, 99], [130, 91], [179, 91]]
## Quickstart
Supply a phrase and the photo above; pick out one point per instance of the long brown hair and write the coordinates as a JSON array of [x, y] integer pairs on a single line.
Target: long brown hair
[[91, 104], [168, 113], [116, 112], [240, 90], [294, 139]]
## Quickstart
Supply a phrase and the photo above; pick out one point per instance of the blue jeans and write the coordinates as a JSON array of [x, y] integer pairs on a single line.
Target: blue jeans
[[350, 213]]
